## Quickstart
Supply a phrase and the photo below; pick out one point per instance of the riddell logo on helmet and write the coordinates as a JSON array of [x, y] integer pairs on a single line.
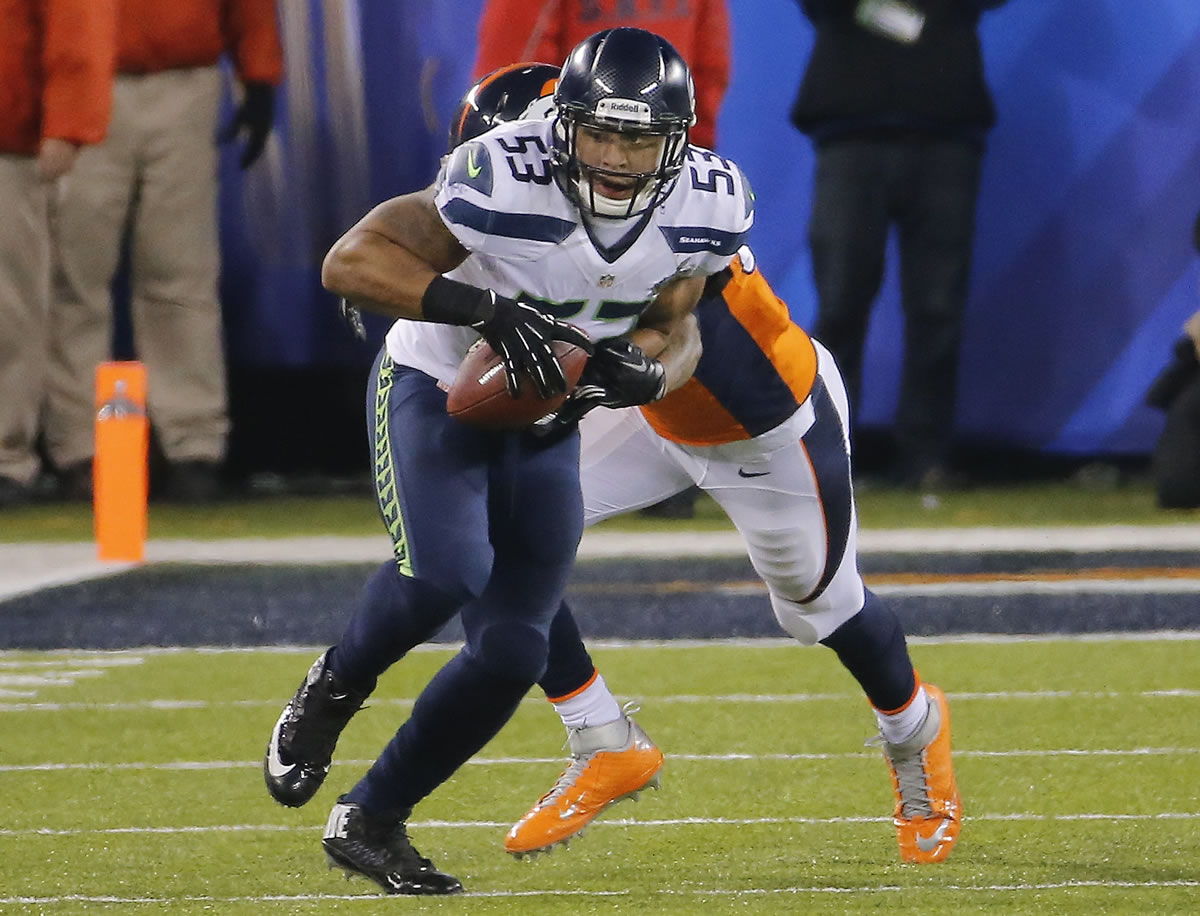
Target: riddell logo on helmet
[[625, 109]]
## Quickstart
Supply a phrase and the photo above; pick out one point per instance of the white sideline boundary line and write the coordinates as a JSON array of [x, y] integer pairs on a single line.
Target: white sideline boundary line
[[33, 566], [865, 754], [764, 642]]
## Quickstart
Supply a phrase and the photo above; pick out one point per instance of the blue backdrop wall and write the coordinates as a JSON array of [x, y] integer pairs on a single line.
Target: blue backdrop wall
[[1084, 270]]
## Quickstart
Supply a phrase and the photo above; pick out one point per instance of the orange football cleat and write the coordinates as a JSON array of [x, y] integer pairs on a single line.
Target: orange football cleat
[[928, 807], [608, 763]]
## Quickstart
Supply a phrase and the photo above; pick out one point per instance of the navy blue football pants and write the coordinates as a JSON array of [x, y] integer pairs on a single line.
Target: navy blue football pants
[[485, 523]]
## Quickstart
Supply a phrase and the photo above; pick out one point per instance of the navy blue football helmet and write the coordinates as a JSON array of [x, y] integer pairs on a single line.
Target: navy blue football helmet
[[502, 95], [630, 81]]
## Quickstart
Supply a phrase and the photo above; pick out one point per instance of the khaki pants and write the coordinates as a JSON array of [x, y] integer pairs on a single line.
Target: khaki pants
[[155, 178], [24, 305]]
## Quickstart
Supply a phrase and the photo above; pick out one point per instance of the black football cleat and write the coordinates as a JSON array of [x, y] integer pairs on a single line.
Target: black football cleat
[[378, 848], [301, 747]]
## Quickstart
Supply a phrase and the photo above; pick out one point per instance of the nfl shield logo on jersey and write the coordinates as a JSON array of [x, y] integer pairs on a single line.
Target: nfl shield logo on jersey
[[606, 281]]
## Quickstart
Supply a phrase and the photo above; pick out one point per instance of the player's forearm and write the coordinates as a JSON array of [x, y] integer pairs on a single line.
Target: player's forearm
[[669, 332], [376, 274], [682, 354], [678, 349], [386, 262]]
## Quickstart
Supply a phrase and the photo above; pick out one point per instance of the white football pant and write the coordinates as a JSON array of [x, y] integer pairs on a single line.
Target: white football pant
[[766, 485]]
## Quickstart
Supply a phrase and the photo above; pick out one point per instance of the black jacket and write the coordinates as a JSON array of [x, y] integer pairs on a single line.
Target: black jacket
[[859, 80]]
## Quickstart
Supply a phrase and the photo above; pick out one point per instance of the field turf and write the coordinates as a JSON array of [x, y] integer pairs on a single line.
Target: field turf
[[1029, 504], [132, 784]]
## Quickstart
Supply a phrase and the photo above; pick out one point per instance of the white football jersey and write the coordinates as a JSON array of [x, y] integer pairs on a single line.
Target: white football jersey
[[527, 240]]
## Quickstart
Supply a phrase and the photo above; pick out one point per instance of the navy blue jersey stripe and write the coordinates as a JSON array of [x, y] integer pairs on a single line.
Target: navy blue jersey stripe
[[531, 226], [738, 373], [690, 239]]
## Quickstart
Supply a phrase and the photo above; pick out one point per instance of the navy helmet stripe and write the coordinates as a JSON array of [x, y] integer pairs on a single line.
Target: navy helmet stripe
[[690, 239], [531, 226]]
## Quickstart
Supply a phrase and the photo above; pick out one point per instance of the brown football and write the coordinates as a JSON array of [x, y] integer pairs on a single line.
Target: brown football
[[479, 394]]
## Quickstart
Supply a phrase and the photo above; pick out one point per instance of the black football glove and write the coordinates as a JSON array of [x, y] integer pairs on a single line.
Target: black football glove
[[522, 335], [255, 115], [619, 374]]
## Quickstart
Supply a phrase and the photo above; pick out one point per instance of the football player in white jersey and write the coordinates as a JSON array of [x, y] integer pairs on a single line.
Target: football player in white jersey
[[761, 425], [602, 217]]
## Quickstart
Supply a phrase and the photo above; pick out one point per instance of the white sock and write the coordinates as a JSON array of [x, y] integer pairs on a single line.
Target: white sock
[[903, 724], [592, 705]]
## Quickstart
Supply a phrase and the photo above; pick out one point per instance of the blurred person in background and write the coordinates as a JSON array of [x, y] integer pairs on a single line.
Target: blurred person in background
[[153, 185], [515, 30], [56, 71], [895, 102], [1175, 466]]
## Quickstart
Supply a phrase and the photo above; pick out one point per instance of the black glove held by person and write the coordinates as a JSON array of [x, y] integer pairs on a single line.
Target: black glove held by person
[[619, 374], [255, 115], [625, 375], [522, 335]]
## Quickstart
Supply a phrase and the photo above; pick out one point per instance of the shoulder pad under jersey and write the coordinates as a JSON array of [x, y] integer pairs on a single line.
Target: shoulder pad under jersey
[[497, 193], [708, 216]]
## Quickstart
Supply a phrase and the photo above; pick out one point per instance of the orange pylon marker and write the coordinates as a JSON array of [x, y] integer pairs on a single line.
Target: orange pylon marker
[[120, 472]]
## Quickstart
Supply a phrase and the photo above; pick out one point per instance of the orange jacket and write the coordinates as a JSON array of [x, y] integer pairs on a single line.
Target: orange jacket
[[547, 30], [155, 35], [56, 67]]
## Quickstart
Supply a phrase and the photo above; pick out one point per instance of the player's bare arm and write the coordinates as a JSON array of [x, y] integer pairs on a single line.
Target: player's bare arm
[[682, 353], [386, 261], [392, 262], [668, 330]]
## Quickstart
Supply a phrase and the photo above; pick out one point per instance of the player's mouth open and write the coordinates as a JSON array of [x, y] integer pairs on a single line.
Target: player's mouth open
[[618, 189]]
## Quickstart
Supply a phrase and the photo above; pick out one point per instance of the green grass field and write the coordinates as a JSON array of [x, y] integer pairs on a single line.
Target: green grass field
[[1029, 504], [132, 785]]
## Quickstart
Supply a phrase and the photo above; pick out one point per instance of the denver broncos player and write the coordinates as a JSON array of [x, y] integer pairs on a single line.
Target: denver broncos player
[[762, 426], [601, 216]]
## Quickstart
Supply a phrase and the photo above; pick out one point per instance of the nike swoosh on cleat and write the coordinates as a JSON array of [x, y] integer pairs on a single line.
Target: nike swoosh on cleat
[[745, 473], [276, 767], [935, 839]]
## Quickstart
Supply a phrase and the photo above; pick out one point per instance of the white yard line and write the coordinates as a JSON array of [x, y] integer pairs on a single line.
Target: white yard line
[[373, 897], [167, 704], [865, 754], [605, 822]]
